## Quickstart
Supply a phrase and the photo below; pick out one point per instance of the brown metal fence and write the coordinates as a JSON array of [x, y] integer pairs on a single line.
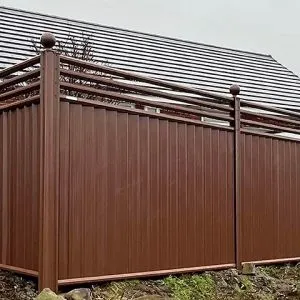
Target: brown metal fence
[[146, 194], [270, 207], [94, 190], [19, 170], [19, 153]]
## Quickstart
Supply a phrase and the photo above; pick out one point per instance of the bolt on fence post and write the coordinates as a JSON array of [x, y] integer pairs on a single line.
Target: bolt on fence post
[[235, 91], [49, 165]]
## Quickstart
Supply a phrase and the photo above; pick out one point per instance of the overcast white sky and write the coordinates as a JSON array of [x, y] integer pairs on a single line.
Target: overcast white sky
[[265, 26]]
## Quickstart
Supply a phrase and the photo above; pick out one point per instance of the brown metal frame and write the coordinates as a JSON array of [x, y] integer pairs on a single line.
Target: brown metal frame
[[83, 280], [237, 194], [54, 89], [49, 179]]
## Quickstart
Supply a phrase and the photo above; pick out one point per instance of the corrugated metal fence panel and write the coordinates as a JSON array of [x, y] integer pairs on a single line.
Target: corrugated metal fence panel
[[19, 187], [140, 194], [270, 187]]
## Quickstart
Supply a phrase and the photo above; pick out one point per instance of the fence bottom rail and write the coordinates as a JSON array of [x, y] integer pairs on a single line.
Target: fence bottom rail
[[19, 270]]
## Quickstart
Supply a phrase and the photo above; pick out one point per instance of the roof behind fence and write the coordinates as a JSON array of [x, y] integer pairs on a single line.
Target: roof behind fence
[[262, 79]]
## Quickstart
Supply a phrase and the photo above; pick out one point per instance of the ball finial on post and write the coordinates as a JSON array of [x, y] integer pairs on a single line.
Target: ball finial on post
[[48, 40], [234, 90]]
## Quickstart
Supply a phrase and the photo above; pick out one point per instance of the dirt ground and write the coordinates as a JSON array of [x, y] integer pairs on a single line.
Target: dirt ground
[[273, 282], [16, 287]]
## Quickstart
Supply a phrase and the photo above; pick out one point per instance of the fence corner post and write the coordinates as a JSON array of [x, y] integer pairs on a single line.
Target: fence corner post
[[235, 91], [49, 166]]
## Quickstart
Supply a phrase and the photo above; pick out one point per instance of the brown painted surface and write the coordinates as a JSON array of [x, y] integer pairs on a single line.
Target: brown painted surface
[[49, 166], [270, 208], [19, 187], [140, 194], [93, 191]]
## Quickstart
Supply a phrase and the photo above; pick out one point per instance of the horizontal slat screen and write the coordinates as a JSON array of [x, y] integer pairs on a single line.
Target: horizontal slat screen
[[211, 68]]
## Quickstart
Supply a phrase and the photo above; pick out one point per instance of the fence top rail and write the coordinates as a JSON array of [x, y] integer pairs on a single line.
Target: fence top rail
[[288, 129], [20, 78], [20, 66], [176, 87], [271, 117], [142, 101], [19, 91], [19, 103], [98, 104], [260, 120], [287, 112], [141, 78], [146, 90]]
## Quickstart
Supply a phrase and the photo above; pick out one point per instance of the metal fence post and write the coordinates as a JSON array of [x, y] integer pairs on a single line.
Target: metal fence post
[[235, 90], [49, 165]]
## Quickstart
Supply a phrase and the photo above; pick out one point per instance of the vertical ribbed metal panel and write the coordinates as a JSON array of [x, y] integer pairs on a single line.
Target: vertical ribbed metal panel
[[270, 215], [19, 187], [141, 194]]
